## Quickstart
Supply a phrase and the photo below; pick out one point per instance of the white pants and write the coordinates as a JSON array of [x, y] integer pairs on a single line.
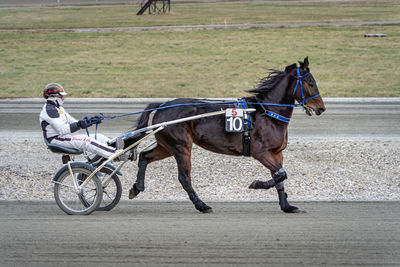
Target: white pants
[[87, 143]]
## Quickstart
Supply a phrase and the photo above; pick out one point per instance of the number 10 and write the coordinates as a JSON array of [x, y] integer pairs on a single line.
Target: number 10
[[235, 124]]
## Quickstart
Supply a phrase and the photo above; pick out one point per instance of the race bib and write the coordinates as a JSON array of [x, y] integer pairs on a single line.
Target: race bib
[[234, 120]]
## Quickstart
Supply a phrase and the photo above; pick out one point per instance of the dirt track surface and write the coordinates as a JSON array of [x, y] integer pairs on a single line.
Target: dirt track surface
[[173, 233]]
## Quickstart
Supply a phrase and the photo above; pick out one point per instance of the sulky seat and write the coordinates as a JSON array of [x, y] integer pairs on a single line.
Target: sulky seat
[[62, 149]]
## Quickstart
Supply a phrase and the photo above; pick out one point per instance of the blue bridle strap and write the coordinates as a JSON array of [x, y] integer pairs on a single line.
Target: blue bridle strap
[[300, 81], [305, 100]]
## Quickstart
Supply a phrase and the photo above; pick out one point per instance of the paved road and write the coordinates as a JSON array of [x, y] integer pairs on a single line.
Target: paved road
[[155, 233], [353, 117]]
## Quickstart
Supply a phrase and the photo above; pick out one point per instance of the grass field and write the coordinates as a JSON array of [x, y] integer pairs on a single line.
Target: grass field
[[200, 13], [220, 63]]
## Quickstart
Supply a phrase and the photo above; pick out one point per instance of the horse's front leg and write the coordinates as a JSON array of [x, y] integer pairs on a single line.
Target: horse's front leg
[[277, 178], [285, 206], [273, 161]]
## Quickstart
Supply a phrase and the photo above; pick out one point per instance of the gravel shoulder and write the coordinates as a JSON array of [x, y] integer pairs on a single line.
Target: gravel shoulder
[[319, 169]]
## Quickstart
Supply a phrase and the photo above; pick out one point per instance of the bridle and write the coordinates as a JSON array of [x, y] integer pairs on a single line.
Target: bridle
[[300, 81], [302, 103]]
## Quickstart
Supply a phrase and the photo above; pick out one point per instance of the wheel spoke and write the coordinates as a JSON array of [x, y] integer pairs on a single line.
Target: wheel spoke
[[71, 200]]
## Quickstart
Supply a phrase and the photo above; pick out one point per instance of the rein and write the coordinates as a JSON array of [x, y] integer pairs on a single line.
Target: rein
[[99, 118]]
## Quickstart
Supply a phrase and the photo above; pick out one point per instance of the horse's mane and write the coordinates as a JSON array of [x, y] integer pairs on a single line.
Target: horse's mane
[[269, 82]]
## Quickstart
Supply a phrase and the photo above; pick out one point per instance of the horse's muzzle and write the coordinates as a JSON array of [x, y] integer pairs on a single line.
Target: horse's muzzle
[[319, 111], [310, 110]]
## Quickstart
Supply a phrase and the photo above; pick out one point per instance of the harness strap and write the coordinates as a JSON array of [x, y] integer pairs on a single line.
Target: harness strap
[[299, 81], [278, 117], [235, 103], [246, 133], [243, 102], [272, 114], [317, 95]]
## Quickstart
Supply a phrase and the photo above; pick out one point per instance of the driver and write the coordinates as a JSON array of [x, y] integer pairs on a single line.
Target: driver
[[58, 126]]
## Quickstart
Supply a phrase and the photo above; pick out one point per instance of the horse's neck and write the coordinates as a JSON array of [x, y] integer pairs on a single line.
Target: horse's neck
[[280, 95]]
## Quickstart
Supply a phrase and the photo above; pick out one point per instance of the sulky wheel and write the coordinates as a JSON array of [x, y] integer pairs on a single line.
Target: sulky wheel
[[69, 196], [112, 190]]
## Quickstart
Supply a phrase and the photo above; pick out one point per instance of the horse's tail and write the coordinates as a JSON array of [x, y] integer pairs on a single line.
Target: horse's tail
[[144, 118]]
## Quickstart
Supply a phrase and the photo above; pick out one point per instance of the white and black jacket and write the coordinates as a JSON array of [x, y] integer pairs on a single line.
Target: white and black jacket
[[55, 121]]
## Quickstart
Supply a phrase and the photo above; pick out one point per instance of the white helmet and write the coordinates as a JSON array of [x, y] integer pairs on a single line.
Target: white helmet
[[54, 90]]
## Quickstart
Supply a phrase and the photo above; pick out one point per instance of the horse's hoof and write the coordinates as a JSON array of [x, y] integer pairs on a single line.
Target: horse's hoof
[[256, 184], [208, 210], [291, 209], [133, 192], [203, 208]]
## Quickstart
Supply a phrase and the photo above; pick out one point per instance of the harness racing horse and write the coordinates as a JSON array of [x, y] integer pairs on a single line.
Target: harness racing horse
[[273, 99]]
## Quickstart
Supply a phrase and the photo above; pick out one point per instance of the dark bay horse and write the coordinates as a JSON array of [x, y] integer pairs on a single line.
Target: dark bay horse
[[268, 138]]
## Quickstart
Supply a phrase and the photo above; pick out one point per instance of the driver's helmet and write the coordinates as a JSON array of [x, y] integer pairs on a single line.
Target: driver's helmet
[[54, 90]]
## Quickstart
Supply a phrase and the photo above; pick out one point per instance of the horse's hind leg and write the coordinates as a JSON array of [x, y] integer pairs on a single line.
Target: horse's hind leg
[[157, 153], [183, 158]]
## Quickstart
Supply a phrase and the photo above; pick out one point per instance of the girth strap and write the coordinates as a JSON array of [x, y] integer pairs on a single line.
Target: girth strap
[[246, 133]]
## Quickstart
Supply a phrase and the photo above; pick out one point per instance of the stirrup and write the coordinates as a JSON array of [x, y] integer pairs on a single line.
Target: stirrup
[[119, 145], [133, 154]]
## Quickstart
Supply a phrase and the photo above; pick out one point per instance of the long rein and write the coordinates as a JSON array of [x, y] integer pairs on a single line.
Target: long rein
[[99, 119]]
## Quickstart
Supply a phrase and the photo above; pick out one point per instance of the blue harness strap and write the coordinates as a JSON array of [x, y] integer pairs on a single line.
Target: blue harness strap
[[237, 104], [95, 120], [299, 81], [278, 117], [243, 102], [246, 135]]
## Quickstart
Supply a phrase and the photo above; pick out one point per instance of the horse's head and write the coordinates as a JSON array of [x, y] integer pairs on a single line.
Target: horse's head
[[304, 88]]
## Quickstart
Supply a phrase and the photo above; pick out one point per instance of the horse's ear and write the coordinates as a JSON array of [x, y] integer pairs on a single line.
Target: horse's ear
[[306, 64], [290, 67]]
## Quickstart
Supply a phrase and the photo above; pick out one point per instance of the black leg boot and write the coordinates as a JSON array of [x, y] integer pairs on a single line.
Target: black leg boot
[[285, 206]]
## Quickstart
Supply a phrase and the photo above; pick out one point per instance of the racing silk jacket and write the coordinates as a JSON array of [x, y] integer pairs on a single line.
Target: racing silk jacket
[[55, 121]]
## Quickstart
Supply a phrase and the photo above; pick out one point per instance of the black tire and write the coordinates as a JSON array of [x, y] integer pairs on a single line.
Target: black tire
[[68, 199]]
